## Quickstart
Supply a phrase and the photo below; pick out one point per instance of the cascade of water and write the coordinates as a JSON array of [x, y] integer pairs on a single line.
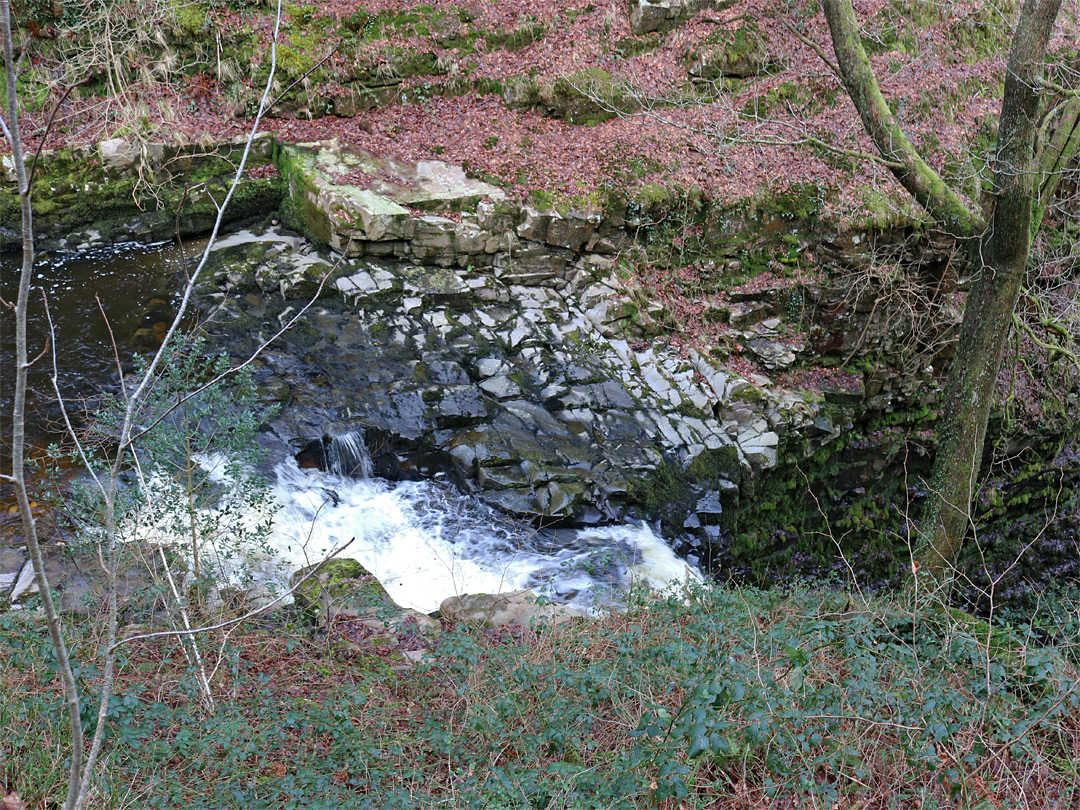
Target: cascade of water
[[423, 540], [426, 542], [347, 455]]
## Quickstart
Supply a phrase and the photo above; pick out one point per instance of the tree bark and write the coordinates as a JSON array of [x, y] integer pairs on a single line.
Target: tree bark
[[1001, 254], [1003, 260], [951, 211], [18, 421]]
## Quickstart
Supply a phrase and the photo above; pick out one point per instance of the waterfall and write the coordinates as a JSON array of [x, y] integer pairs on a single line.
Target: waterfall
[[347, 455], [425, 541]]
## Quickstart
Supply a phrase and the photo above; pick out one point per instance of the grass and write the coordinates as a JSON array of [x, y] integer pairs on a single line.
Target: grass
[[719, 698]]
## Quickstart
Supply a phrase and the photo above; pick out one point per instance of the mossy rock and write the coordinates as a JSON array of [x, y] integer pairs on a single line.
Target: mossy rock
[[587, 97], [338, 584], [736, 54]]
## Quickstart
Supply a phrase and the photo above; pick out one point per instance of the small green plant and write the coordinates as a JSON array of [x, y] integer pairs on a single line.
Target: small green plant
[[193, 486]]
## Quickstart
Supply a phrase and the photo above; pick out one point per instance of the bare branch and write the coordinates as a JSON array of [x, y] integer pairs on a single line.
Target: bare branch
[[816, 48], [238, 619], [927, 187]]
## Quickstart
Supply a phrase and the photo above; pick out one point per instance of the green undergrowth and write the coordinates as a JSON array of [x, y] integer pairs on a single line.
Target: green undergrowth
[[709, 697]]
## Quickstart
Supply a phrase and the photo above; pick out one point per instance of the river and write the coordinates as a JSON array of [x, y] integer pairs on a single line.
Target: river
[[424, 540]]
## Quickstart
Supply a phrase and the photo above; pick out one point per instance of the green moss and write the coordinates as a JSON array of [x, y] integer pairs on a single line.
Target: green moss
[[654, 197], [294, 61], [882, 208], [588, 97], [636, 46], [338, 583], [188, 19], [296, 211], [515, 40], [987, 31], [799, 201], [714, 465], [738, 53]]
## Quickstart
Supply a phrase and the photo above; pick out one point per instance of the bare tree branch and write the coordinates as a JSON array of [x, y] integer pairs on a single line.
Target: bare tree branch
[[922, 182]]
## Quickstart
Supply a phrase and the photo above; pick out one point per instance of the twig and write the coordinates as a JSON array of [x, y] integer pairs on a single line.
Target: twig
[[48, 126], [238, 619], [306, 73], [816, 48]]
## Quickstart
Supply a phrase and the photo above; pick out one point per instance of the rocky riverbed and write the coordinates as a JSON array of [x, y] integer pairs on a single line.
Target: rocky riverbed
[[509, 348]]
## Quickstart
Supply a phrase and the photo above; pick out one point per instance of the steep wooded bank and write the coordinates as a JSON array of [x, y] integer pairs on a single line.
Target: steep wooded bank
[[688, 176]]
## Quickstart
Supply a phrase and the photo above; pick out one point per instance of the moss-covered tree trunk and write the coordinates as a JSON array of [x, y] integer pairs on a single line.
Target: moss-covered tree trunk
[[1000, 252], [1002, 261]]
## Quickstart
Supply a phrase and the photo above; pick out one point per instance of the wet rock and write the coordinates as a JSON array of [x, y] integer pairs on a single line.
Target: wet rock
[[435, 286], [12, 561], [459, 406], [500, 387], [498, 478], [559, 500], [514, 387], [708, 507], [490, 366], [515, 502], [444, 372]]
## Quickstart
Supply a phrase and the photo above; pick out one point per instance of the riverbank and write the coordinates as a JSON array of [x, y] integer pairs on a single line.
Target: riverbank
[[708, 698]]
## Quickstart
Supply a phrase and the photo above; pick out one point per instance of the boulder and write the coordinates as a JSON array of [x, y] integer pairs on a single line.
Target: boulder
[[663, 15], [117, 155], [504, 609], [740, 53], [336, 585]]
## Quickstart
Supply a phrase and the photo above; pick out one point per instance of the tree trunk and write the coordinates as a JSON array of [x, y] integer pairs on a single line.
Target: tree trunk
[[1002, 262], [953, 213], [1000, 254], [18, 420]]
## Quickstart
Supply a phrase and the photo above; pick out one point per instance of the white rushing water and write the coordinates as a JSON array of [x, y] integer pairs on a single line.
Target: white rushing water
[[425, 542]]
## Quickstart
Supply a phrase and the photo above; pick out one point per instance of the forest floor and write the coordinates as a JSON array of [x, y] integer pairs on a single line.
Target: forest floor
[[717, 698], [561, 99]]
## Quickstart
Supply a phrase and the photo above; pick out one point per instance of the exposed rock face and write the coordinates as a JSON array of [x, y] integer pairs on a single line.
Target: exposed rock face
[[496, 345], [87, 196], [375, 219], [663, 15], [523, 381]]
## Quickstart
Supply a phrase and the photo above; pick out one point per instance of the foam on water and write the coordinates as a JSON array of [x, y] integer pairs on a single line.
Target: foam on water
[[425, 542]]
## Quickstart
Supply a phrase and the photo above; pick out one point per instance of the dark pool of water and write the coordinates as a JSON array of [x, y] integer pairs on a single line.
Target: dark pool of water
[[119, 296]]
